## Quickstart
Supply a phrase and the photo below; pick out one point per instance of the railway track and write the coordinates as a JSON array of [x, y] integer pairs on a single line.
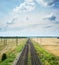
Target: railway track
[[23, 59]]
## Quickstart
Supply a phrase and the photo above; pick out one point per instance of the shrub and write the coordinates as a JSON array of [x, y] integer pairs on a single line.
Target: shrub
[[4, 56]]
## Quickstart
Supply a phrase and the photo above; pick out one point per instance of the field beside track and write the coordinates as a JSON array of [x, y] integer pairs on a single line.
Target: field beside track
[[47, 58], [11, 48], [49, 44], [33, 50]]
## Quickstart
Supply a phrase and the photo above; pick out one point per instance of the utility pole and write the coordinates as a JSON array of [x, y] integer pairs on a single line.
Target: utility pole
[[40, 40], [5, 41], [16, 41]]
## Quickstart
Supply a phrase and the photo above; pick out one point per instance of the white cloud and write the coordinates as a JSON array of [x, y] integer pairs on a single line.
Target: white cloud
[[53, 18], [41, 2], [21, 20], [50, 17], [47, 2], [24, 7]]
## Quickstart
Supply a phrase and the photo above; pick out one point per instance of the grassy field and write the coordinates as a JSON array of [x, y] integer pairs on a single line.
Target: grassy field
[[11, 49], [49, 44], [46, 58], [47, 50]]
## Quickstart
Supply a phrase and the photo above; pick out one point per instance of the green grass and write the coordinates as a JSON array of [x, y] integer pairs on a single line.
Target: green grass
[[12, 54], [46, 58], [29, 57]]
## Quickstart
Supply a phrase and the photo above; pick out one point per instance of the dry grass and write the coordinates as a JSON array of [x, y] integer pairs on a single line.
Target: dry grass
[[11, 45], [52, 49], [49, 44]]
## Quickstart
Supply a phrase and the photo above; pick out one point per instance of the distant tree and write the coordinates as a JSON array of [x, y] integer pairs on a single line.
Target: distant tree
[[57, 37], [1, 40]]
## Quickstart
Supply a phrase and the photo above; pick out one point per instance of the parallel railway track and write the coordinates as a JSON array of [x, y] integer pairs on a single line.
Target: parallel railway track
[[23, 59]]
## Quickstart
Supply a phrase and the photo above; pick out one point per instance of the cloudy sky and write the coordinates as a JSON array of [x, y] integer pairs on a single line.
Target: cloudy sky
[[29, 17]]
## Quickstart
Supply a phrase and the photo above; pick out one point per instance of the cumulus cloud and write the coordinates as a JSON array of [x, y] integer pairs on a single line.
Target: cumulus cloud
[[24, 7], [50, 17], [44, 2], [47, 2], [54, 2]]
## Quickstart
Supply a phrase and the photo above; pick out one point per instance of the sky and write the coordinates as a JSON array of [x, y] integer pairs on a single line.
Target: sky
[[29, 18]]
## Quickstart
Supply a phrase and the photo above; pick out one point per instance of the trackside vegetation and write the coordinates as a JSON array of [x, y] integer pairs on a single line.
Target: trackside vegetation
[[12, 54], [46, 57]]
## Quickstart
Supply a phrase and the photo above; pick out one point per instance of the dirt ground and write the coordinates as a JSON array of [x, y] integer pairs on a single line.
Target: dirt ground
[[49, 44]]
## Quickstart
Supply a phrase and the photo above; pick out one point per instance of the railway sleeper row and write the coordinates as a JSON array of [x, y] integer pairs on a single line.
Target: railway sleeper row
[[23, 59]]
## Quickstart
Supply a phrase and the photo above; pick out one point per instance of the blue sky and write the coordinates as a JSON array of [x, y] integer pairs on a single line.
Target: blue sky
[[29, 17]]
